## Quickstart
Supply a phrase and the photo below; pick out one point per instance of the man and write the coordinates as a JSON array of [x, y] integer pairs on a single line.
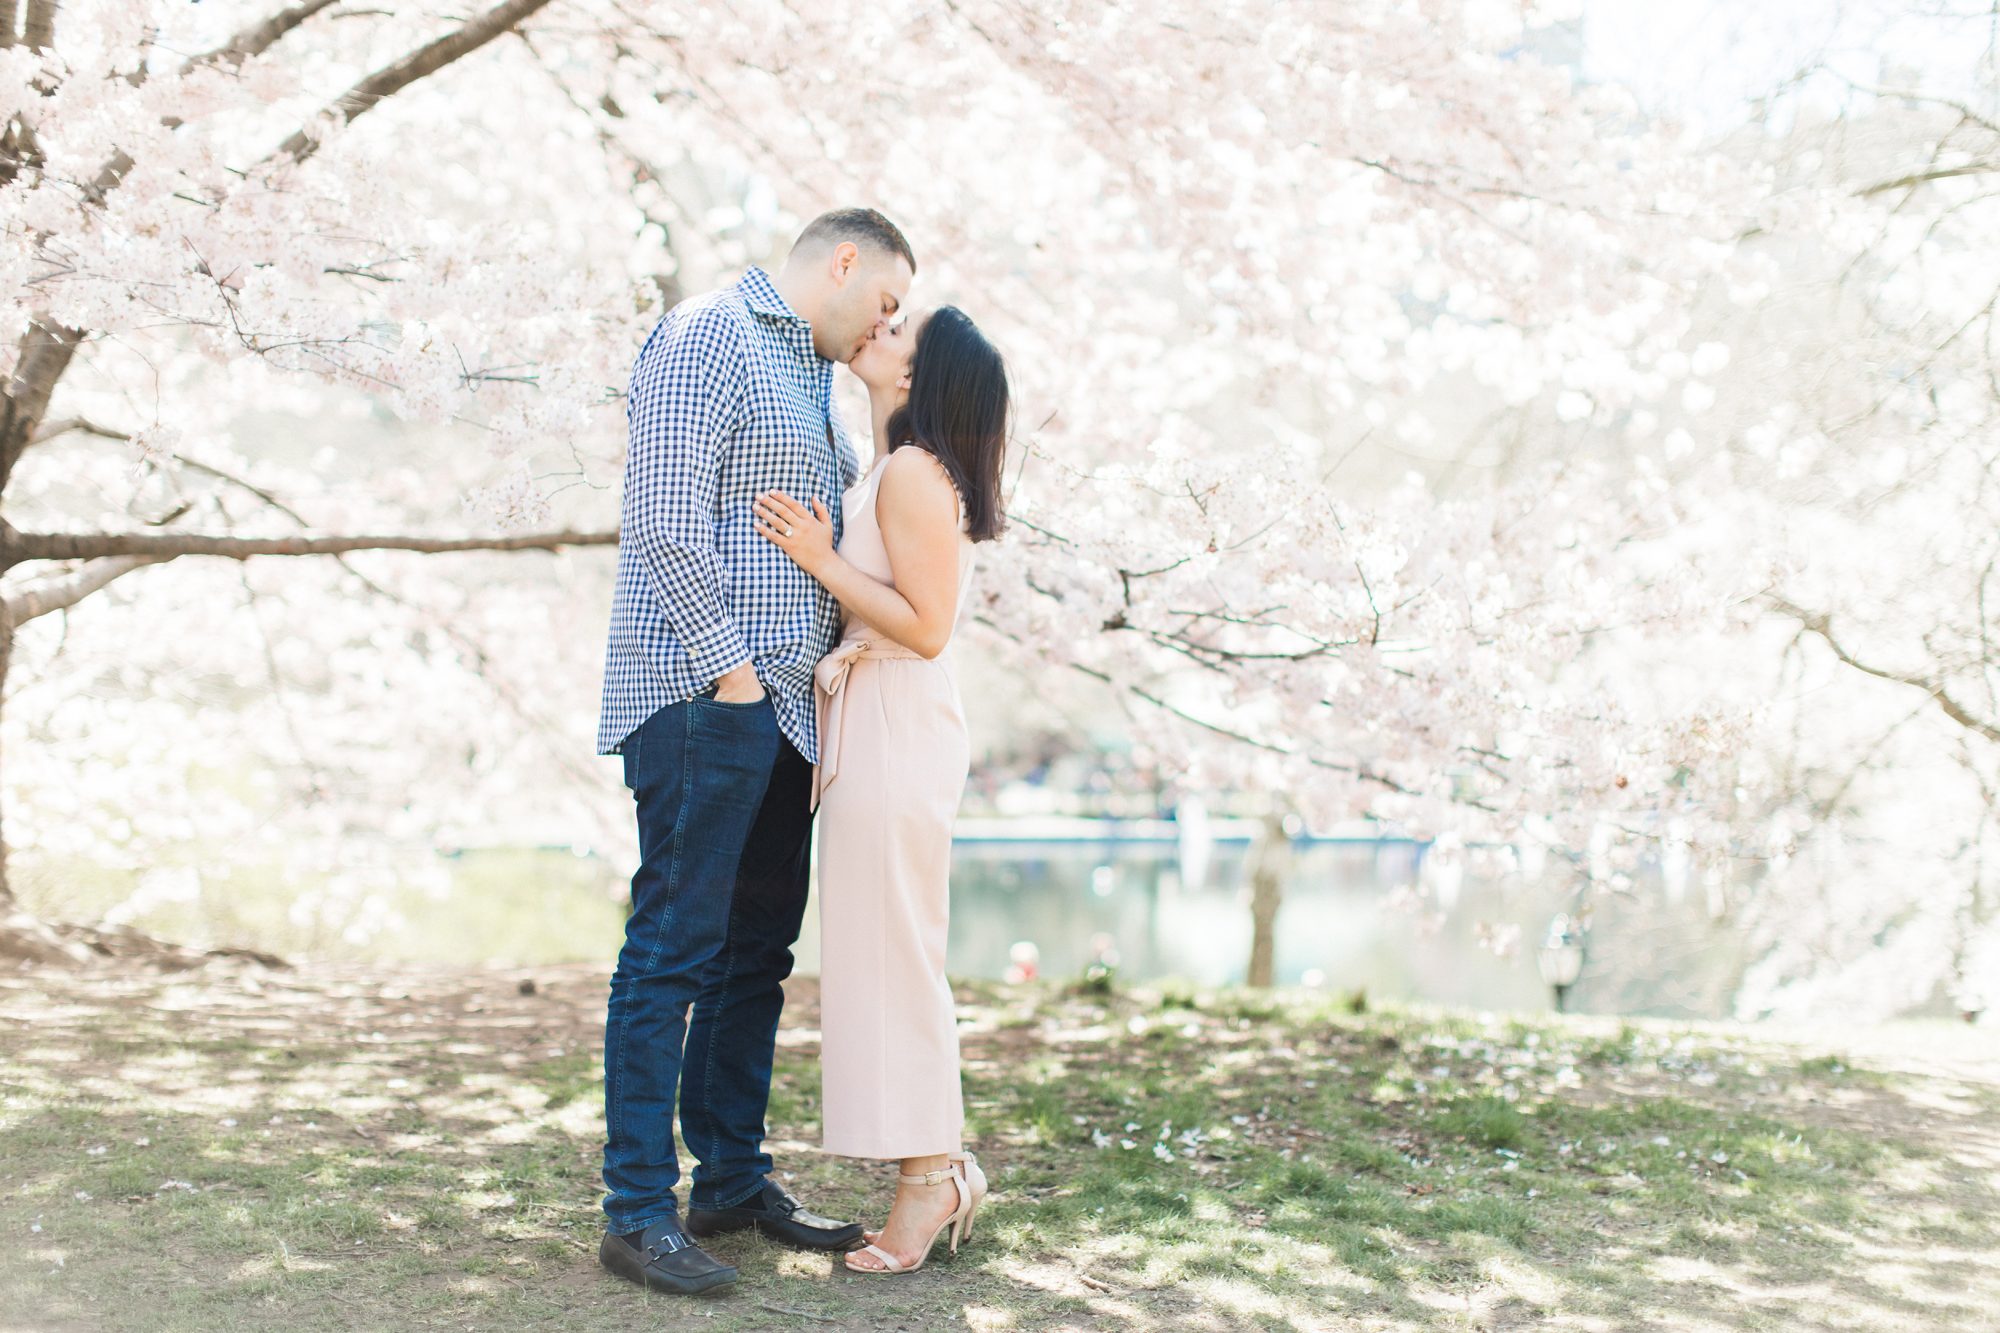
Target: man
[[708, 698]]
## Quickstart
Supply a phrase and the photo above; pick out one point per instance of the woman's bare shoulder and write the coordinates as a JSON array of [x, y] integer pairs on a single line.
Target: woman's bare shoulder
[[914, 482]]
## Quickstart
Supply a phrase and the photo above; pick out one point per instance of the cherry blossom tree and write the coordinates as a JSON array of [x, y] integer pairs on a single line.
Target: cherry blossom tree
[[1861, 434], [155, 207], [1240, 256]]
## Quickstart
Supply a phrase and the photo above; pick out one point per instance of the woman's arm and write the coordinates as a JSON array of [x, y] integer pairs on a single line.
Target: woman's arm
[[917, 510]]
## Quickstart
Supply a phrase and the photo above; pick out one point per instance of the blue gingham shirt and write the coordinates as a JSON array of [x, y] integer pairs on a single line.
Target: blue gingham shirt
[[728, 398]]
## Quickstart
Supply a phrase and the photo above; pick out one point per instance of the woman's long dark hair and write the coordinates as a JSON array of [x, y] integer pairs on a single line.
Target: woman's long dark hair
[[957, 412]]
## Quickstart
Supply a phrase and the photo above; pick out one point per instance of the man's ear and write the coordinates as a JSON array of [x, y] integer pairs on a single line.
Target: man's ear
[[846, 257]]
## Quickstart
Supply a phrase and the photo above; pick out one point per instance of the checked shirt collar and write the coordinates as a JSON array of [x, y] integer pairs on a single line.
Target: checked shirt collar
[[761, 295]]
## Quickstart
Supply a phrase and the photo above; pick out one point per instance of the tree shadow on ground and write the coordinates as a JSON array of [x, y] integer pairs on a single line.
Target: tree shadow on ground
[[334, 1148]]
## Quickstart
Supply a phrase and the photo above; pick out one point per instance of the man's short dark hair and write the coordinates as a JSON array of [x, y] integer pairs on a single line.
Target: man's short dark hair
[[863, 226]]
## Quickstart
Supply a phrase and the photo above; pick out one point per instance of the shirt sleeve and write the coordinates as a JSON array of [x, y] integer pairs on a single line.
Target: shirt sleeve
[[687, 392]]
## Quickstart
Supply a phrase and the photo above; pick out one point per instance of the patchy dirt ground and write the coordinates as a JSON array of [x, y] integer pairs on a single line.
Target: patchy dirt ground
[[321, 1148]]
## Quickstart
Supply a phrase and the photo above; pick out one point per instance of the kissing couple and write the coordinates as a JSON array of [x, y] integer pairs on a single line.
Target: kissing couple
[[779, 648]]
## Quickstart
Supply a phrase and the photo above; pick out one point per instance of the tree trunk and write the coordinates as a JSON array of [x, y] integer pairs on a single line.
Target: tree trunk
[[6, 655], [23, 939], [45, 350], [38, 25], [1270, 858]]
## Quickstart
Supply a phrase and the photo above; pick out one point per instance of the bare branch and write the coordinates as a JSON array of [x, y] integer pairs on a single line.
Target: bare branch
[[1935, 174], [1215, 728], [1965, 109], [49, 430], [255, 40], [1829, 805], [474, 651], [232, 479], [65, 590], [16, 546], [1822, 625], [423, 61]]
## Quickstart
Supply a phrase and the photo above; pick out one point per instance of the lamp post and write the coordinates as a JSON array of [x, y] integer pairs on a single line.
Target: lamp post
[[1560, 957]]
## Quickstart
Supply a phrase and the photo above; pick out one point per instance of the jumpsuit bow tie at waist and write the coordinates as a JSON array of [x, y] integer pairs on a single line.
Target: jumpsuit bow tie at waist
[[830, 697]]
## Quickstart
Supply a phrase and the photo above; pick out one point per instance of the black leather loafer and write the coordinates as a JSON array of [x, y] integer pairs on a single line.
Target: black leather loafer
[[664, 1260], [773, 1211]]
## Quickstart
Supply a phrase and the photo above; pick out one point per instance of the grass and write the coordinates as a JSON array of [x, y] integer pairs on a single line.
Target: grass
[[347, 1149]]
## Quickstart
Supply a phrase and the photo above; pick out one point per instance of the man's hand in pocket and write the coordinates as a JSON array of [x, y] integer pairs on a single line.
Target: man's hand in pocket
[[739, 686]]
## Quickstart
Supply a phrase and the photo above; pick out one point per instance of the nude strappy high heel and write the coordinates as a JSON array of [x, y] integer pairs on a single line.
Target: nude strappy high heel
[[959, 1223], [975, 1179]]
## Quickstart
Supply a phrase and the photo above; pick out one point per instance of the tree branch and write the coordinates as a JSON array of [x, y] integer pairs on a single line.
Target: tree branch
[[64, 590], [49, 430], [16, 427], [252, 41], [1964, 109], [1215, 728], [16, 546], [231, 479], [39, 31], [423, 61], [255, 41], [475, 651], [46, 349], [1935, 174], [1822, 625]]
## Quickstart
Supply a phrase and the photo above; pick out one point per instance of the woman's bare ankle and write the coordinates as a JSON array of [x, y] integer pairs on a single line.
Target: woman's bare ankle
[[921, 1166]]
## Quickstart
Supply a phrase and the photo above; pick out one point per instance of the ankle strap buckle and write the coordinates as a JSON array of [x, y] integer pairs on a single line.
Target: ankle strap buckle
[[937, 1177]]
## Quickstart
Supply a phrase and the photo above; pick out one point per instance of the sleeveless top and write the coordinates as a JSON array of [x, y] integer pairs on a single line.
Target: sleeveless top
[[861, 546]]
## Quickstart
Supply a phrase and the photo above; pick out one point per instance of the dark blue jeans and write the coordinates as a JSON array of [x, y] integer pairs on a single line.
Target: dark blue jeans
[[716, 906]]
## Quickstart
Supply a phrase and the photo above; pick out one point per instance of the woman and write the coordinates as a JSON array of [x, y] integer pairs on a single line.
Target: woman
[[893, 758]]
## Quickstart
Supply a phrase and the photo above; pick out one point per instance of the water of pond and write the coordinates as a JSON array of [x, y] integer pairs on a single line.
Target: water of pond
[[1339, 922], [1647, 954]]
